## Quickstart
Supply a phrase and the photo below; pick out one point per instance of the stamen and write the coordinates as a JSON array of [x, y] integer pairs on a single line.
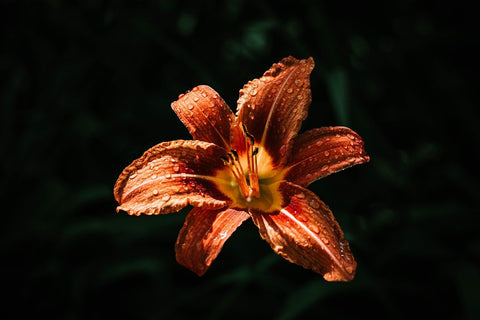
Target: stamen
[[252, 162], [237, 171], [235, 154], [225, 160], [247, 180]]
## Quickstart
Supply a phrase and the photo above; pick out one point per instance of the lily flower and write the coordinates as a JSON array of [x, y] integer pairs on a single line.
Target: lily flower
[[252, 164]]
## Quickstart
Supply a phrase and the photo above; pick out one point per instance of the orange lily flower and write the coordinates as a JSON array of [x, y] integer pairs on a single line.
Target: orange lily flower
[[249, 165]]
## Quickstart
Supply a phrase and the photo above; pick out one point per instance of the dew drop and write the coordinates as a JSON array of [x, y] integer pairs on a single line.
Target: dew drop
[[300, 195], [190, 106], [215, 96], [204, 94], [283, 150], [168, 176], [155, 192], [324, 168], [299, 97], [325, 240], [253, 92], [289, 90], [180, 95], [176, 168], [314, 204], [349, 269], [166, 197], [195, 99], [299, 82], [133, 176], [326, 153], [223, 234], [314, 228], [154, 176], [301, 217]]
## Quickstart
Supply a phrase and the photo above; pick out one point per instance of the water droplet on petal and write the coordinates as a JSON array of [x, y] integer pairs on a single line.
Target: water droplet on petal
[[324, 168], [253, 92], [168, 176], [204, 94], [326, 153], [133, 176], [190, 106], [223, 234], [314, 204], [314, 228], [299, 97], [180, 95], [155, 192], [283, 150], [195, 99], [301, 217], [154, 176], [166, 197], [300, 195], [325, 240], [299, 82], [349, 269], [289, 90], [176, 168]]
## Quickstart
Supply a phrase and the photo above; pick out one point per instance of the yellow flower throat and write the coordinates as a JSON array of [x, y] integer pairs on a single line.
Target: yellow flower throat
[[249, 185]]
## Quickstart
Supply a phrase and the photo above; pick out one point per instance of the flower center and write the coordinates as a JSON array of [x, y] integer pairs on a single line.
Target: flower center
[[247, 179]]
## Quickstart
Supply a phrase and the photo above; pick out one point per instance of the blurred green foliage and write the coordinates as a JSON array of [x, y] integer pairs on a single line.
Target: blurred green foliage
[[86, 87]]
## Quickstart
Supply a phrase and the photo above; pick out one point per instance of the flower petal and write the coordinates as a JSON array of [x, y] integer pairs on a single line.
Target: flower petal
[[206, 115], [320, 152], [202, 236], [273, 107], [305, 232], [169, 176]]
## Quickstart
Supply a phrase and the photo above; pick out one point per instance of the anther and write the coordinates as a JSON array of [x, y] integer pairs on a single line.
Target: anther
[[235, 154], [248, 135], [225, 160], [230, 157]]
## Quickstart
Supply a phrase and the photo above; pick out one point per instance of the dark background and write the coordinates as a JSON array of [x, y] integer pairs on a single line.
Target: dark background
[[86, 87]]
